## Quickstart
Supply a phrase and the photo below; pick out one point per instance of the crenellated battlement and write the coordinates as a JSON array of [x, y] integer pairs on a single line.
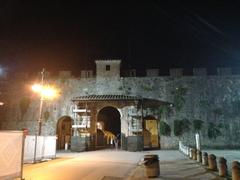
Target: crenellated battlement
[[173, 72], [112, 68], [197, 94]]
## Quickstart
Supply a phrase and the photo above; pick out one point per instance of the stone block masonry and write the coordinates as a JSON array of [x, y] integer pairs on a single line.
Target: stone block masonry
[[208, 104]]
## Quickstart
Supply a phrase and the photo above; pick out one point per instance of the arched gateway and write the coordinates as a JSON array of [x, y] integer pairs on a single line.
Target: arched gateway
[[64, 128], [89, 118], [108, 127]]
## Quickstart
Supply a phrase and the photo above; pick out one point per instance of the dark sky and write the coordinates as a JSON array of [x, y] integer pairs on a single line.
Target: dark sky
[[71, 35]]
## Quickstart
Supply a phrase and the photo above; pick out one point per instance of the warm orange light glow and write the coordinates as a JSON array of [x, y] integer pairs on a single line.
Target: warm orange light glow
[[49, 92], [45, 91], [37, 88]]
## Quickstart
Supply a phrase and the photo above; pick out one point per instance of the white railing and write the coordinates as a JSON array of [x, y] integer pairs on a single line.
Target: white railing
[[184, 149]]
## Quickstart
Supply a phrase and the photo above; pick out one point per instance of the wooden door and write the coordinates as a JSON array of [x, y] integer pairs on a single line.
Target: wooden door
[[152, 127], [64, 132]]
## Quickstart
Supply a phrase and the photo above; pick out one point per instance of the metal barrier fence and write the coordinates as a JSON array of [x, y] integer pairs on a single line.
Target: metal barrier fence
[[45, 148], [11, 156]]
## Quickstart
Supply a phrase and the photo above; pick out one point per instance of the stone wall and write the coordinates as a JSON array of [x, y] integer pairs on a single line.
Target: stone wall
[[211, 99]]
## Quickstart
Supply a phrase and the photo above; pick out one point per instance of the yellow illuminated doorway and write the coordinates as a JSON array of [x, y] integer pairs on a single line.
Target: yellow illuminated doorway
[[151, 135]]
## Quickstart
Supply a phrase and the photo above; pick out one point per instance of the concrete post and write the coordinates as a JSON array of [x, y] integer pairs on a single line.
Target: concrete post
[[197, 137], [204, 158], [212, 164], [222, 167], [66, 146], [180, 146], [199, 156], [235, 170]]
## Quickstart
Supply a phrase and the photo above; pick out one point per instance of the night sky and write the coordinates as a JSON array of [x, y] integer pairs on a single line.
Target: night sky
[[71, 35]]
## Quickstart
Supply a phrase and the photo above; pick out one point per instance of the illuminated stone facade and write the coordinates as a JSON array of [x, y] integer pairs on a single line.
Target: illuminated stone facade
[[210, 100]]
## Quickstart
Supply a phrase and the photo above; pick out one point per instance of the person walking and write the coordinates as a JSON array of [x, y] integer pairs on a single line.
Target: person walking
[[116, 143]]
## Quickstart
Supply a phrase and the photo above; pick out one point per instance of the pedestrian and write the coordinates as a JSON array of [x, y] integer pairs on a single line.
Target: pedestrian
[[116, 143], [25, 132]]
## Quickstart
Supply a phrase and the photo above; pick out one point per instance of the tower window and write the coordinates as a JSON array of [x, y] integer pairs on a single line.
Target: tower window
[[107, 67]]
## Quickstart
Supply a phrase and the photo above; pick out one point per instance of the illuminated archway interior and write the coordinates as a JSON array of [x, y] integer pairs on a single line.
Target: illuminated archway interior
[[109, 126]]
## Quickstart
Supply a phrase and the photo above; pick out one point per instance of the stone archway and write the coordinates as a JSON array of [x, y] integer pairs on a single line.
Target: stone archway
[[130, 131], [64, 132], [151, 137], [109, 121]]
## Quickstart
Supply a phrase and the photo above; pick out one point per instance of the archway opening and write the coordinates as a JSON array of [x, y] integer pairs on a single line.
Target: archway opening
[[151, 137], [64, 132], [108, 127]]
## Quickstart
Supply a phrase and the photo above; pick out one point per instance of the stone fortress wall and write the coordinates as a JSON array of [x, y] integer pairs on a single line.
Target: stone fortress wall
[[210, 100]]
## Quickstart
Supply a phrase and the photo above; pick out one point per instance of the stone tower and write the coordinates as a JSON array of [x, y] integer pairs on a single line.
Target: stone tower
[[108, 68], [108, 79]]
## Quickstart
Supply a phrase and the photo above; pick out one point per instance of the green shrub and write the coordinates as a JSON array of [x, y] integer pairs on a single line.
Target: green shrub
[[165, 129], [164, 111], [197, 124], [181, 126], [214, 130], [177, 128], [178, 97]]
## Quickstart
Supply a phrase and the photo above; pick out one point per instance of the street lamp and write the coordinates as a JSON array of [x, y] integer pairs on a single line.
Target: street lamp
[[45, 92]]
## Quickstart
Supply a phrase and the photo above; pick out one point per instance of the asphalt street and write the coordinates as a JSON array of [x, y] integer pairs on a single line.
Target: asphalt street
[[94, 165], [114, 165]]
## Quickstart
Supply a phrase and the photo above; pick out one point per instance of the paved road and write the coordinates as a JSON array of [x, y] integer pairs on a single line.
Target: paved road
[[109, 165], [84, 166]]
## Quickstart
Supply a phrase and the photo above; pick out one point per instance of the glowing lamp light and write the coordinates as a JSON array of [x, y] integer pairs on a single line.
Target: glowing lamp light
[[37, 88], [45, 91], [98, 125], [49, 92], [1, 103]]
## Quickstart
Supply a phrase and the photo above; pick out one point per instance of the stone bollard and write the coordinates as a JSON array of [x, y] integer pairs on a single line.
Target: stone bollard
[[222, 167], [212, 164], [199, 156], [235, 170], [194, 154], [151, 163], [205, 159]]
